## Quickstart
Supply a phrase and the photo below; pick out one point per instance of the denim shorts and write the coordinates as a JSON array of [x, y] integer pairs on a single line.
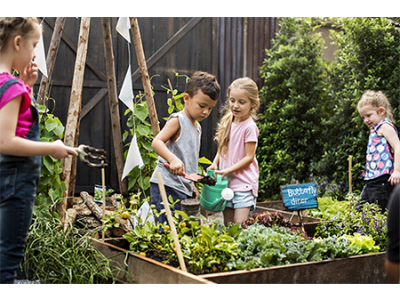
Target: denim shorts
[[242, 199]]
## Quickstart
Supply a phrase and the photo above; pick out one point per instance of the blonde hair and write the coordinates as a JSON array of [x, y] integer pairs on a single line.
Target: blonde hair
[[10, 27], [249, 87], [376, 100]]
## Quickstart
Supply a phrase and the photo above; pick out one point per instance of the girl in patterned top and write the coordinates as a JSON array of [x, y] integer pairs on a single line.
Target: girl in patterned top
[[382, 169]]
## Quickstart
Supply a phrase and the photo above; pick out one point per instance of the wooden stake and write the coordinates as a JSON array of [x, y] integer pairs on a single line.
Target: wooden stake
[[171, 222], [51, 58], [103, 183], [72, 127], [144, 75], [350, 188], [113, 102]]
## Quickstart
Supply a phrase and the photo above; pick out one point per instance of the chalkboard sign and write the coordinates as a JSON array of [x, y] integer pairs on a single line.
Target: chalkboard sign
[[299, 196]]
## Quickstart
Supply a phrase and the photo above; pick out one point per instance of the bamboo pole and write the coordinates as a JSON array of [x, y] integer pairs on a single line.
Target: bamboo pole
[[171, 222], [72, 127], [103, 183], [51, 58], [113, 102], [144, 75], [350, 188]]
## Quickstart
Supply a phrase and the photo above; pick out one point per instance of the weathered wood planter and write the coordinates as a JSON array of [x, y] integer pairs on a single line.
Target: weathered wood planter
[[356, 269], [368, 268], [143, 269]]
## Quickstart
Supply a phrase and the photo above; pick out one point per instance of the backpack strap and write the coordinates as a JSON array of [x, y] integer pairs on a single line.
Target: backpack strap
[[6, 85]]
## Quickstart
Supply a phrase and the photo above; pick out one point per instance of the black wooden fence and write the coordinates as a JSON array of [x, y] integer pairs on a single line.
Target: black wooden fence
[[227, 47]]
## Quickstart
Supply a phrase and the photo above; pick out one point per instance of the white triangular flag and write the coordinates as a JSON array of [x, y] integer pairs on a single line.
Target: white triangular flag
[[40, 59], [133, 158], [126, 93], [123, 26], [145, 213]]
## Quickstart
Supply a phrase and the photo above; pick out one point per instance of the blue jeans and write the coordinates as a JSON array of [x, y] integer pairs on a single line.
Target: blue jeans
[[19, 177], [157, 200]]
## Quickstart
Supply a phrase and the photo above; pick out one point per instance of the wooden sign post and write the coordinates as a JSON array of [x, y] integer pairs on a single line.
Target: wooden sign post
[[299, 197]]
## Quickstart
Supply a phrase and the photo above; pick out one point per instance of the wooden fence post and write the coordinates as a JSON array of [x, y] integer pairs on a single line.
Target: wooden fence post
[[72, 127], [51, 58], [144, 75], [113, 101]]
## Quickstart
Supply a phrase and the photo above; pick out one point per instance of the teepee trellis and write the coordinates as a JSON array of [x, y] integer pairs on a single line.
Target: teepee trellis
[[71, 135]]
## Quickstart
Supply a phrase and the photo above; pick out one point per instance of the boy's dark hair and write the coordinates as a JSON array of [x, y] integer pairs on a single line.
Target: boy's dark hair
[[204, 81]]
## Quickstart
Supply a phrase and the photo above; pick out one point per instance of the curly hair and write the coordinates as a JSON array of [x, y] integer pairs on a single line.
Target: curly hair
[[376, 100], [12, 26]]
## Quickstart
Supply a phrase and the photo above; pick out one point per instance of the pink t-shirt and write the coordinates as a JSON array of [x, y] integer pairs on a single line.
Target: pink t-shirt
[[245, 179], [25, 118]]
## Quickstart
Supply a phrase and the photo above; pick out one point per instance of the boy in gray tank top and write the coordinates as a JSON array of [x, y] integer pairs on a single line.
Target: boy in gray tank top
[[178, 143]]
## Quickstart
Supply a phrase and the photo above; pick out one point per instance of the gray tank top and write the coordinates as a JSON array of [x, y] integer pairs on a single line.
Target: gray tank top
[[186, 148]]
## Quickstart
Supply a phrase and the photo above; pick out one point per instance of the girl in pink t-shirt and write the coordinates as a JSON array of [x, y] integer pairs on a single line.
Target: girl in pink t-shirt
[[237, 136]]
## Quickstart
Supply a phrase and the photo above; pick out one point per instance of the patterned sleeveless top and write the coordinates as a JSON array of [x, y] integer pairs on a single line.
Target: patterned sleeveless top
[[380, 155]]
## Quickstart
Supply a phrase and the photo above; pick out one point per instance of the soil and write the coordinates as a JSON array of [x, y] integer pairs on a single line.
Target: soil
[[207, 179]]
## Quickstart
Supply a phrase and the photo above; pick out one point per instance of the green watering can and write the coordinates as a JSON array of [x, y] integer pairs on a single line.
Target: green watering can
[[213, 198]]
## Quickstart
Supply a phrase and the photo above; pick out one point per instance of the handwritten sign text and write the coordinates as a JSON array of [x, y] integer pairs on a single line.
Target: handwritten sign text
[[299, 196]]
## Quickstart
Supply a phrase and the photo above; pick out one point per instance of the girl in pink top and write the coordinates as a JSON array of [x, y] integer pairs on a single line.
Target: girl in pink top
[[237, 136], [20, 146]]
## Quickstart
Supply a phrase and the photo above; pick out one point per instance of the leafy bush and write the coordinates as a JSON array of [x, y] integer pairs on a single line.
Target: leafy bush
[[295, 96], [310, 124], [368, 57]]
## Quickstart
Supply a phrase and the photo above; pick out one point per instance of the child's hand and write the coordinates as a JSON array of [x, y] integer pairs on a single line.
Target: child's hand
[[212, 167], [60, 150], [30, 74], [195, 192], [176, 167], [222, 172], [395, 178]]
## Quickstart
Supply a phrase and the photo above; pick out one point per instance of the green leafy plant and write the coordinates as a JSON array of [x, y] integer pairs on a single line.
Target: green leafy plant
[[366, 220], [139, 125], [50, 188], [205, 248]]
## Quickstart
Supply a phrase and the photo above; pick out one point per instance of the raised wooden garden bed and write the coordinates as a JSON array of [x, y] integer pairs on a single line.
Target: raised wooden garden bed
[[367, 268]]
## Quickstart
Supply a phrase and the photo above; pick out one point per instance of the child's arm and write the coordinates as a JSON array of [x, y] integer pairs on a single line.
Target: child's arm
[[170, 131], [250, 149], [390, 134], [17, 146], [214, 165]]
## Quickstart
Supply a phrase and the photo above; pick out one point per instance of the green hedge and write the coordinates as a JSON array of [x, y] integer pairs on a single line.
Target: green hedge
[[310, 124]]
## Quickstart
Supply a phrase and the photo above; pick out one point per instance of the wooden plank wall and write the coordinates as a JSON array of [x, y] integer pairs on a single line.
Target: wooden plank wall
[[214, 45]]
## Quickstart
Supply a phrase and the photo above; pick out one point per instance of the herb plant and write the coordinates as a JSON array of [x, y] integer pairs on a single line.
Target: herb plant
[[58, 256]]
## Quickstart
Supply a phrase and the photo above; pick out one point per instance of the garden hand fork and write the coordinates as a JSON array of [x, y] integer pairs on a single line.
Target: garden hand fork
[[92, 157]]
